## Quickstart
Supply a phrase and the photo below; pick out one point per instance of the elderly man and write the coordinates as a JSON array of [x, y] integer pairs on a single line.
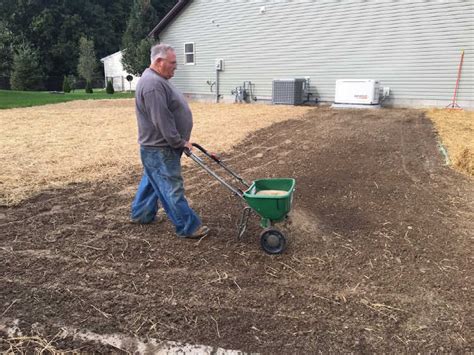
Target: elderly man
[[165, 122]]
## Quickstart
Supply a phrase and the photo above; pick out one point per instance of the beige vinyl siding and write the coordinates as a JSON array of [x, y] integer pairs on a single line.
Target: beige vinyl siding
[[413, 47]]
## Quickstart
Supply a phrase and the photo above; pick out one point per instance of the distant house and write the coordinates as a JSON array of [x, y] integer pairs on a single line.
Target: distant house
[[113, 70], [412, 47]]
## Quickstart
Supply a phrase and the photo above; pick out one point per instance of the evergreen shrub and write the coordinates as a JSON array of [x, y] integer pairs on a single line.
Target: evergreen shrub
[[110, 87], [66, 85], [89, 88]]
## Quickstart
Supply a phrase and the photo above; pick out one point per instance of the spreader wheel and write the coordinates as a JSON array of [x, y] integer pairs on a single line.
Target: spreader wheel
[[272, 241]]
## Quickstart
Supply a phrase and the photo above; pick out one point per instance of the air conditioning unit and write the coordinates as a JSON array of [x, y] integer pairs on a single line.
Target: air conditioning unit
[[357, 91], [287, 91]]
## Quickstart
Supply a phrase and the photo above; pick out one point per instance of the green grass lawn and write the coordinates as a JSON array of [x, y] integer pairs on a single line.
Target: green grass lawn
[[11, 99]]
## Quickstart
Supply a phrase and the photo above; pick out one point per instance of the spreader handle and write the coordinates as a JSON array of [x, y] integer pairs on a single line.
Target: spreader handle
[[199, 161], [216, 159], [213, 156]]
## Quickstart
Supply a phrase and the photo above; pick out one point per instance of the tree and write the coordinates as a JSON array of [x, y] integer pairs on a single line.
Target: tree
[[87, 61], [129, 79], [26, 71], [136, 58], [89, 88], [6, 50], [110, 87], [72, 82], [54, 28], [66, 85], [135, 44]]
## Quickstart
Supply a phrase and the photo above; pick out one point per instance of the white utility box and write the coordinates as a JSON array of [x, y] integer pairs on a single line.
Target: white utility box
[[357, 91], [220, 64]]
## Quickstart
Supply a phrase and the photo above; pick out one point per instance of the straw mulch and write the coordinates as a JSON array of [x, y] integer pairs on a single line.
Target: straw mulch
[[456, 130], [31, 345], [51, 146]]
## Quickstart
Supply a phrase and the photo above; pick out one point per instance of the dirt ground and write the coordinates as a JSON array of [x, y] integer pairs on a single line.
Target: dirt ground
[[379, 256]]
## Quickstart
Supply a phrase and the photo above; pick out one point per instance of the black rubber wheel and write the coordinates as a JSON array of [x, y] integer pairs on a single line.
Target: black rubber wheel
[[272, 241]]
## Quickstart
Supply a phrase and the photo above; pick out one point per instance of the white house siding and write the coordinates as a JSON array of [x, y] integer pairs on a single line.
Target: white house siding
[[113, 70], [413, 47]]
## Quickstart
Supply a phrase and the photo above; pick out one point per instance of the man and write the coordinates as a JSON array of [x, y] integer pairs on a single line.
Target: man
[[165, 122]]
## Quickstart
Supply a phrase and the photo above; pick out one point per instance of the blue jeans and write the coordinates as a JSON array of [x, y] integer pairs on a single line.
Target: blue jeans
[[162, 182]]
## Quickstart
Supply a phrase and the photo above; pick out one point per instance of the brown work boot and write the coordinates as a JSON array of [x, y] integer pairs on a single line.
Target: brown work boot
[[199, 233]]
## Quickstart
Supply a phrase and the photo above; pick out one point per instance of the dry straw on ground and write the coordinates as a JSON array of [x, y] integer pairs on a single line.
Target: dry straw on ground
[[31, 345], [456, 129], [51, 146], [82, 141]]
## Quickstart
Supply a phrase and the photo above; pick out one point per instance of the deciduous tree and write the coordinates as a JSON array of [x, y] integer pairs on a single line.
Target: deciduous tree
[[87, 60], [26, 71], [6, 50], [135, 45]]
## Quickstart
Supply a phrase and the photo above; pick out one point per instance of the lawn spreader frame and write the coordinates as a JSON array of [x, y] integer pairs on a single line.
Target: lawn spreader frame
[[271, 209]]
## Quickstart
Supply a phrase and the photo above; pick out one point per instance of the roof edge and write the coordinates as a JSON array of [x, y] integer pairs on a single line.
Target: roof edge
[[110, 55], [169, 17]]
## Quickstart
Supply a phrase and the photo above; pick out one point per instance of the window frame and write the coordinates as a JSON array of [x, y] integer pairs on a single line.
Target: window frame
[[186, 53]]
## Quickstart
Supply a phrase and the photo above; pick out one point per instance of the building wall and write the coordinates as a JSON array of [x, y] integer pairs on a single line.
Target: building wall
[[113, 70], [413, 47]]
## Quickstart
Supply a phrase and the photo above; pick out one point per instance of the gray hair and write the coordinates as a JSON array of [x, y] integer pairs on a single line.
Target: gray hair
[[159, 50]]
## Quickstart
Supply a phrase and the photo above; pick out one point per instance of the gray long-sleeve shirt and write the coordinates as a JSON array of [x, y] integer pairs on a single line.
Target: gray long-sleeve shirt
[[163, 114]]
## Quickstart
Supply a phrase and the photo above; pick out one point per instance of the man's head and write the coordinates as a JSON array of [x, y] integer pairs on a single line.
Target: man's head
[[163, 60]]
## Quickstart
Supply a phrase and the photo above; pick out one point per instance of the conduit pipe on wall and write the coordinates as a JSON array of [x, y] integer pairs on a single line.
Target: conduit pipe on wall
[[219, 65], [217, 85]]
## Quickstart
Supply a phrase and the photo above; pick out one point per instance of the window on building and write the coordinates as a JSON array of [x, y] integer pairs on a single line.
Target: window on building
[[189, 55]]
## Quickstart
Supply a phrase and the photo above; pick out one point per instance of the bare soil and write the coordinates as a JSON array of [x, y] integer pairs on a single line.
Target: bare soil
[[379, 255]]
